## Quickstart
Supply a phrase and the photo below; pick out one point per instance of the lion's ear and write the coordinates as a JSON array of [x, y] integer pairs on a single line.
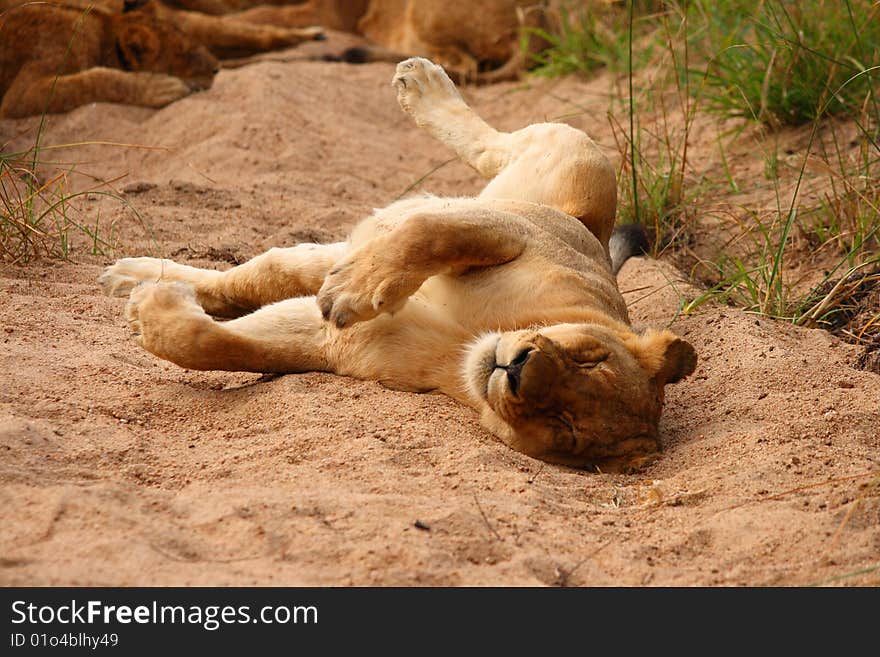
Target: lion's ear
[[665, 356], [136, 46]]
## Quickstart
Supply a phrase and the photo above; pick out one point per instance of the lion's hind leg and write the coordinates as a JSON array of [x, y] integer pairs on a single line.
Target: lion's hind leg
[[283, 337], [426, 93], [273, 276], [548, 163]]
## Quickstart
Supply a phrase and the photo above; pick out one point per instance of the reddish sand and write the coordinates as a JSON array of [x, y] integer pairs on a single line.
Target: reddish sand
[[120, 469]]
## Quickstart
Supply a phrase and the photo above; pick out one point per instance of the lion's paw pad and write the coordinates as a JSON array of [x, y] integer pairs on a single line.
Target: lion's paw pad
[[421, 82]]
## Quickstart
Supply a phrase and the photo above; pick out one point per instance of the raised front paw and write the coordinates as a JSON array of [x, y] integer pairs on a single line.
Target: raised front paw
[[119, 279], [421, 84], [361, 287]]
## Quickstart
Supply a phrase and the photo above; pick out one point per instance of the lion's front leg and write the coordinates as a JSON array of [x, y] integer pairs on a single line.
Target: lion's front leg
[[379, 276], [291, 336], [302, 15], [273, 276]]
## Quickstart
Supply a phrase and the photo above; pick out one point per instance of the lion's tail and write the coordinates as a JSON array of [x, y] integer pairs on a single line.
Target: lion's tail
[[626, 241]]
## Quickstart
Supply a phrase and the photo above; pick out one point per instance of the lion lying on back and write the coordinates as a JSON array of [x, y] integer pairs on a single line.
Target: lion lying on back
[[506, 302], [147, 55]]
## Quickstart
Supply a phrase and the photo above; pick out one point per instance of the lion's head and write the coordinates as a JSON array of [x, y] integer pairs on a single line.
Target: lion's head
[[145, 42], [577, 394]]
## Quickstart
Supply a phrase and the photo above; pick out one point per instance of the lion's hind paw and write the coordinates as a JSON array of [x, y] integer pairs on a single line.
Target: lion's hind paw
[[166, 319], [421, 85]]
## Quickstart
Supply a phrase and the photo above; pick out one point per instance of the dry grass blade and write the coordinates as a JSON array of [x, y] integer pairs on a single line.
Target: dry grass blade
[[849, 575], [844, 289], [486, 520], [855, 505], [39, 217], [798, 489]]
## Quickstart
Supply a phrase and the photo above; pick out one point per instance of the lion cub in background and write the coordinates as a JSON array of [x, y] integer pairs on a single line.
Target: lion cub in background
[[142, 54], [128, 58], [506, 302]]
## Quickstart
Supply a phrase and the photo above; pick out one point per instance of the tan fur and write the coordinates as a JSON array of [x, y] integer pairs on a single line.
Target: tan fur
[[142, 54], [342, 15], [229, 37], [505, 301], [132, 58], [479, 43], [221, 7], [476, 42]]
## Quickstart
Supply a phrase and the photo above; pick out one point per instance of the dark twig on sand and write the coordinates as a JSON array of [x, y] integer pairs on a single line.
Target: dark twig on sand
[[486, 520]]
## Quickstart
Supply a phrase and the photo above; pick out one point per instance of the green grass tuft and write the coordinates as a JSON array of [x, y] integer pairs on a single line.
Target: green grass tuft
[[588, 36], [788, 63]]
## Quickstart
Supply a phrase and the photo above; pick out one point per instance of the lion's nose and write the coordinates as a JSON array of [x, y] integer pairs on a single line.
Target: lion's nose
[[514, 369]]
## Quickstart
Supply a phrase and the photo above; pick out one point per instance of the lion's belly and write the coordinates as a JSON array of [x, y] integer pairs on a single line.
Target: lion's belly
[[522, 293], [498, 298]]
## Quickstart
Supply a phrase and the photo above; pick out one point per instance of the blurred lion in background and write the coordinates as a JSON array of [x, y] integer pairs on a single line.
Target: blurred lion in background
[[55, 56], [474, 42]]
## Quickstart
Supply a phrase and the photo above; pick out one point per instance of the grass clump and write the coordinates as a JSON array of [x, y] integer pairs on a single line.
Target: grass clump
[[847, 216], [780, 63], [586, 36], [35, 216], [43, 217], [654, 145], [789, 63]]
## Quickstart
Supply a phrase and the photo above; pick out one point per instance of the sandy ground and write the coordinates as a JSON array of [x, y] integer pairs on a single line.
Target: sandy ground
[[119, 469]]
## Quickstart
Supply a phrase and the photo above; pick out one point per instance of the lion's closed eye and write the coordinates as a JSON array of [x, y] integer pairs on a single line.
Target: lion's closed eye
[[589, 360]]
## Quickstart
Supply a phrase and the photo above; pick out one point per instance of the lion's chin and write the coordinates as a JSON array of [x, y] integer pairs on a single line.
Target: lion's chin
[[199, 83], [479, 365]]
